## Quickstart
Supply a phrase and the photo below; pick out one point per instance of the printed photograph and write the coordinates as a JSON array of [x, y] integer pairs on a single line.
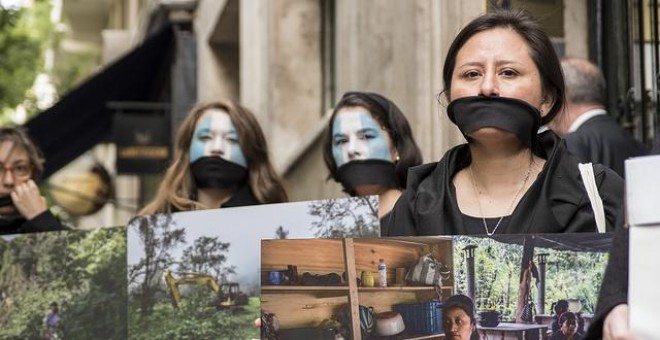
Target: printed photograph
[[541, 286], [63, 285], [197, 274]]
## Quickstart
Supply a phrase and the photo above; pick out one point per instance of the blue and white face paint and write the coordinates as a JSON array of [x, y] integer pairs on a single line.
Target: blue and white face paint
[[356, 135], [216, 135]]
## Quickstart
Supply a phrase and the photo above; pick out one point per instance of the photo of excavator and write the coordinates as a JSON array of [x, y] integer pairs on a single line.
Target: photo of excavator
[[229, 296]]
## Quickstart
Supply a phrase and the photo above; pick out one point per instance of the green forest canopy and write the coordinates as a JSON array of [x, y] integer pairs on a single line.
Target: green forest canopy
[[83, 271]]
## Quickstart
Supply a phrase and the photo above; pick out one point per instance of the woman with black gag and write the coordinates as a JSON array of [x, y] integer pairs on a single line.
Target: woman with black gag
[[503, 80], [221, 160], [368, 148]]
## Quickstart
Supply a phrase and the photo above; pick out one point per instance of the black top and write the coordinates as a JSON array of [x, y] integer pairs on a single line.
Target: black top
[[45, 221], [602, 140], [475, 225], [560, 336], [240, 198], [556, 202]]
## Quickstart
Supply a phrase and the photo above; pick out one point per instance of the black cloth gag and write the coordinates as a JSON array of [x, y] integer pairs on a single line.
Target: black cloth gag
[[508, 114]]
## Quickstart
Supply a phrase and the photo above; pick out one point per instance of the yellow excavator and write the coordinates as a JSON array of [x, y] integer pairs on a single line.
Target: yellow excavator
[[228, 294]]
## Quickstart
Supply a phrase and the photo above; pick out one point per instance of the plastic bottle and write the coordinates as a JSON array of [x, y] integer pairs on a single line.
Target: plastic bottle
[[382, 273]]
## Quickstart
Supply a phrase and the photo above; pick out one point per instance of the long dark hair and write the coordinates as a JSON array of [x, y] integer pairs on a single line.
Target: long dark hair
[[540, 50], [391, 119]]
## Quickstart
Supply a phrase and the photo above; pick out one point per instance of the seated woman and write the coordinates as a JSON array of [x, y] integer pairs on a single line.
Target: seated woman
[[458, 319], [368, 148], [503, 80], [221, 160], [568, 328], [560, 307], [22, 208]]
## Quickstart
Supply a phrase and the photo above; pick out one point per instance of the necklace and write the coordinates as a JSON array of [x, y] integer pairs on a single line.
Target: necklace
[[474, 187]]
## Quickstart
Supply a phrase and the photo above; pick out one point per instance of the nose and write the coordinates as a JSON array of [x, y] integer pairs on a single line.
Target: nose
[[352, 149], [217, 147], [8, 178], [489, 86]]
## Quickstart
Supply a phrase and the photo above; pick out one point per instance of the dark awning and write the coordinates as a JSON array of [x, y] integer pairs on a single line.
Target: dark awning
[[582, 242], [81, 119]]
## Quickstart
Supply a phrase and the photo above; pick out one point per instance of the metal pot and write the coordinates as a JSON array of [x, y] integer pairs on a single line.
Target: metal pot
[[389, 323]]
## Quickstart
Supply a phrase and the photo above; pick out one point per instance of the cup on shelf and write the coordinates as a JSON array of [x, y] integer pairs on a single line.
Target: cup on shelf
[[400, 276], [367, 279], [275, 278]]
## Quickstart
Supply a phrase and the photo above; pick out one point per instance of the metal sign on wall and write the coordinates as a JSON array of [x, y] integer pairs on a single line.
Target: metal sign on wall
[[143, 141]]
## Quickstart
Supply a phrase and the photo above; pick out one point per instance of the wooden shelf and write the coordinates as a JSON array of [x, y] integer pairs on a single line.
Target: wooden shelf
[[311, 304], [303, 288]]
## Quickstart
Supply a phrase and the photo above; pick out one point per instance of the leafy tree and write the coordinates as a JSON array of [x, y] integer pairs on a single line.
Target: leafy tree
[[281, 234], [207, 255], [353, 217], [84, 272], [24, 34], [158, 236]]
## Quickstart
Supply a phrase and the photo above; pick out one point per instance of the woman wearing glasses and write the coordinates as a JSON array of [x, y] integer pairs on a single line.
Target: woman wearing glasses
[[22, 208]]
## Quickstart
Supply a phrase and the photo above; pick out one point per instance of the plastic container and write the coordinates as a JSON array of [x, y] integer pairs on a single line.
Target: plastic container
[[382, 273], [421, 318]]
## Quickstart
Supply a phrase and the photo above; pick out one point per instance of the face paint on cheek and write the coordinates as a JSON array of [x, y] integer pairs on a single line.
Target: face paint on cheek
[[378, 146], [337, 150], [216, 135], [233, 151], [197, 145], [357, 136]]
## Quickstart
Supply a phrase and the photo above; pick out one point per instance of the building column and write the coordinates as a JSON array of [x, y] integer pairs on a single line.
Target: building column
[[469, 263], [540, 297]]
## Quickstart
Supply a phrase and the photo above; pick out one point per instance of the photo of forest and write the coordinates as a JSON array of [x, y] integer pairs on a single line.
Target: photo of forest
[[63, 285], [573, 266], [196, 275]]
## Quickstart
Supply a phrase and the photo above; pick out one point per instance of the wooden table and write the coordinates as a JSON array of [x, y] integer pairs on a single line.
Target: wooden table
[[514, 331]]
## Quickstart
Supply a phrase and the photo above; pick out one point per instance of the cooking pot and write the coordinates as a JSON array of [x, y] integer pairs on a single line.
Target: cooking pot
[[389, 323]]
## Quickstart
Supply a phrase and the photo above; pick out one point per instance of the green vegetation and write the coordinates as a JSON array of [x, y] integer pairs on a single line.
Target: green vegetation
[[195, 319], [569, 275], [83, 272], [151, 313], [21, 58], [25, 35]]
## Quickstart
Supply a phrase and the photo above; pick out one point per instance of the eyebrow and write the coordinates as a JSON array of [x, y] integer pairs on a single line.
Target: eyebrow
[[367, 129], [498, 63]]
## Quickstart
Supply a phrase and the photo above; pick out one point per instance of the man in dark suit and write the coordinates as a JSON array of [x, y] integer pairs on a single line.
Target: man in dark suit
[[590, 133]]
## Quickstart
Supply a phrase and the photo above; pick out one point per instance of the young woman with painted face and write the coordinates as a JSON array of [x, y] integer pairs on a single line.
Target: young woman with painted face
[[221, 160], [368, 148], [503, 80], [22, 208]]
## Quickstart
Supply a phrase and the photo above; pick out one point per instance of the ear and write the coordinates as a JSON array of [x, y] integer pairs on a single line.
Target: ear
[[546, 104], [395, 155]]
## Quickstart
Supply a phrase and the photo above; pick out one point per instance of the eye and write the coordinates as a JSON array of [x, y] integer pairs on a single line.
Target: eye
[[232, 139], [204, 137], [508, 73], [366, 135], [22, 168], [471, 74], [340, 141]]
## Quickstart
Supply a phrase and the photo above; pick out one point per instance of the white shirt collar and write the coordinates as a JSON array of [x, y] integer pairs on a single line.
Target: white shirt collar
[[585, 117]]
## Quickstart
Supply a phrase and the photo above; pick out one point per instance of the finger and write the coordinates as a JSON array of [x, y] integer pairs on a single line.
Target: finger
[[20, 189], [32, 185]]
